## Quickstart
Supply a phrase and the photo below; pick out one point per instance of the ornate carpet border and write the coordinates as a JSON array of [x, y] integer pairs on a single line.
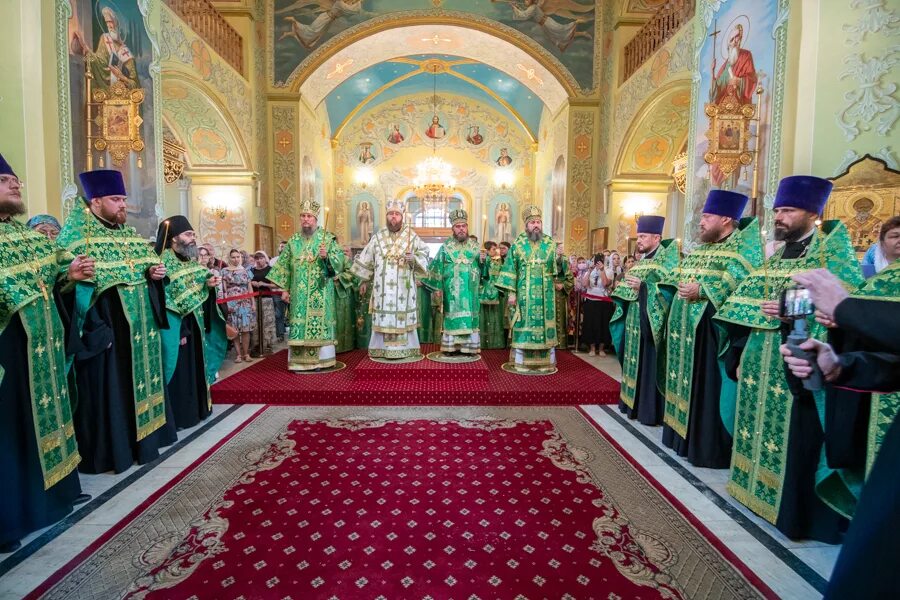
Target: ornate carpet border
[[127, 519], [746, 571], [647, 504]]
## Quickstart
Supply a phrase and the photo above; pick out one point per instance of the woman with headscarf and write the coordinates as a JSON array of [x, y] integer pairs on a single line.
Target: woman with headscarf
[[265, 304], [46, 225]]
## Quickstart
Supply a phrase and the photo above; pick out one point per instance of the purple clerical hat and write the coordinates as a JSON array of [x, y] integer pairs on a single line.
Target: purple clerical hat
[[804, 192], [651, 224], [5, 169], [102, 182], [725, 204]]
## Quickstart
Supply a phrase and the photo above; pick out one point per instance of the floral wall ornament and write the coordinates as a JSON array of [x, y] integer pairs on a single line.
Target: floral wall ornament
[[871, 101], [874, 19]]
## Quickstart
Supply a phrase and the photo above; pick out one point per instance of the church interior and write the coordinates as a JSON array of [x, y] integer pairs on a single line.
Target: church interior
[[428, 479]]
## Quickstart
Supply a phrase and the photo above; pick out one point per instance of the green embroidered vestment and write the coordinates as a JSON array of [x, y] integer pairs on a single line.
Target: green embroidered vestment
[[122, 260], [529, 272], [456, 272], [764, 401], [186, 294], [627, 316], [719, 268], [300, 271], [30, 266]]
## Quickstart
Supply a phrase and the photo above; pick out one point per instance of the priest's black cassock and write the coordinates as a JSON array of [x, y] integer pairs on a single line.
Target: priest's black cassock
[[105, 414], [112, 434], [187, 395]]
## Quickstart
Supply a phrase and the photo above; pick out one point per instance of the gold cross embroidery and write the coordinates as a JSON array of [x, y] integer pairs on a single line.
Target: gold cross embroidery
[[771, 446], [45, 401], [749, 380]]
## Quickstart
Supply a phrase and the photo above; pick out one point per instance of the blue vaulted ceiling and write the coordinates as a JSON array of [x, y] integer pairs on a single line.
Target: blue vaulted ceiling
[[396, 79]]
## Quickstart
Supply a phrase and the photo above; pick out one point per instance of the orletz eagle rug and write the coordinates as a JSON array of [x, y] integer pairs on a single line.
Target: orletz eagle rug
[[426, 502]]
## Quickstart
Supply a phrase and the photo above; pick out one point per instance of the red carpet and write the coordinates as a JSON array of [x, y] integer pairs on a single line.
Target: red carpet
[[364, 382], [521, 504]]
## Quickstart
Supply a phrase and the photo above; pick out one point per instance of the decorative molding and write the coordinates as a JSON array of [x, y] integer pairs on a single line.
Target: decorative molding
[[64, 111], [871, 99], [887, 155], [284, 159], [874, 19]]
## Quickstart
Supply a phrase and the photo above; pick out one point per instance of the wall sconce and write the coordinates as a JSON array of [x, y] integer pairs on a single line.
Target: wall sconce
[[364, 177], [636, 207], [504, 178], [219, 205]]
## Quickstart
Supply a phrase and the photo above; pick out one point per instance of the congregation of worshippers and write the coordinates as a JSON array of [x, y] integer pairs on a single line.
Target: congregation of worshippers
[[773, 358]]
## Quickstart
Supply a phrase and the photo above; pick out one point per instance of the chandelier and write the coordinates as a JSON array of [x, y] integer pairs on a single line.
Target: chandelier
[[434, 182]]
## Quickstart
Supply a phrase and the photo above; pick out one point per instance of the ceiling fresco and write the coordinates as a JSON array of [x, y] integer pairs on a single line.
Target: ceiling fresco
[[421, 40], [562, 28], [409, 76]]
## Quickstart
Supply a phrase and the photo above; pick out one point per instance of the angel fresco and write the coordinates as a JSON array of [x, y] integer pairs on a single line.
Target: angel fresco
[[542, 12], [325, 11]]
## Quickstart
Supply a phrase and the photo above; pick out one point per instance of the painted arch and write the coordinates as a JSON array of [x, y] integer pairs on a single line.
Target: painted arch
[[657, 133]]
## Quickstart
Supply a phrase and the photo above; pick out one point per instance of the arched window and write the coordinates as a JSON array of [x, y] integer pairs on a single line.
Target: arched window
[[432, 214]]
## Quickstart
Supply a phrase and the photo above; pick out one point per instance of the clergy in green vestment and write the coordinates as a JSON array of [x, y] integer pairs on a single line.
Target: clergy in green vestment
[[778, 436], [117, 318], [563, 284], [699, 397], [454, 276], [306, 270], [492, 311], [639, 321], [345, 306], [528, 275], [37, 438], [194, 344]]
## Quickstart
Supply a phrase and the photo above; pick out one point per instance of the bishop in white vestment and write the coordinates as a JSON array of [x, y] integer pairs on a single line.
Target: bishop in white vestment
[[391, 260]]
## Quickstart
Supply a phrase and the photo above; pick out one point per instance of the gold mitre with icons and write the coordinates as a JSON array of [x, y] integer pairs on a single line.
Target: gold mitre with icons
[[310, 207], [458, 215], [397, 205], [531, 212]]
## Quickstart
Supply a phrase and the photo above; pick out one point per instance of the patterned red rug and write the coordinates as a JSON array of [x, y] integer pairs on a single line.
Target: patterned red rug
[[364, 382], [409, 503]]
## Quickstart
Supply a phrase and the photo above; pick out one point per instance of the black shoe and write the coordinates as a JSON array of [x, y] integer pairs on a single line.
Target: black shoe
[[9, 547], [81, 499]]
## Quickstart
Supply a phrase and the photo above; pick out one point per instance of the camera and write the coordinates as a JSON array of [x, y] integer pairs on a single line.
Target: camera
[[796, 304]]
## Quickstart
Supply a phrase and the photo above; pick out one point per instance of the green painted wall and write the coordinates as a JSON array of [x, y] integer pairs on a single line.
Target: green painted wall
[[839, 105]]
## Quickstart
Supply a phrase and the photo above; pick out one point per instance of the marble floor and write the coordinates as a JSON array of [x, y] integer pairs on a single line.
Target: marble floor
[[795, 570]]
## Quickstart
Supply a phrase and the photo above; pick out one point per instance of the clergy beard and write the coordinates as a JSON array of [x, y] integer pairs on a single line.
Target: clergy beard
[[535, 235], [461, 237], [307, 230], [394, 228], [186, 250], [792, 234], [711, 235], [12, 207]]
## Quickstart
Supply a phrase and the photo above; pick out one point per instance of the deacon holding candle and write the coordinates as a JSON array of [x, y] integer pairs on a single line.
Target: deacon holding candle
[[638, 323], [775, 460], [117, 316], [306, 270], [699, 410]]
